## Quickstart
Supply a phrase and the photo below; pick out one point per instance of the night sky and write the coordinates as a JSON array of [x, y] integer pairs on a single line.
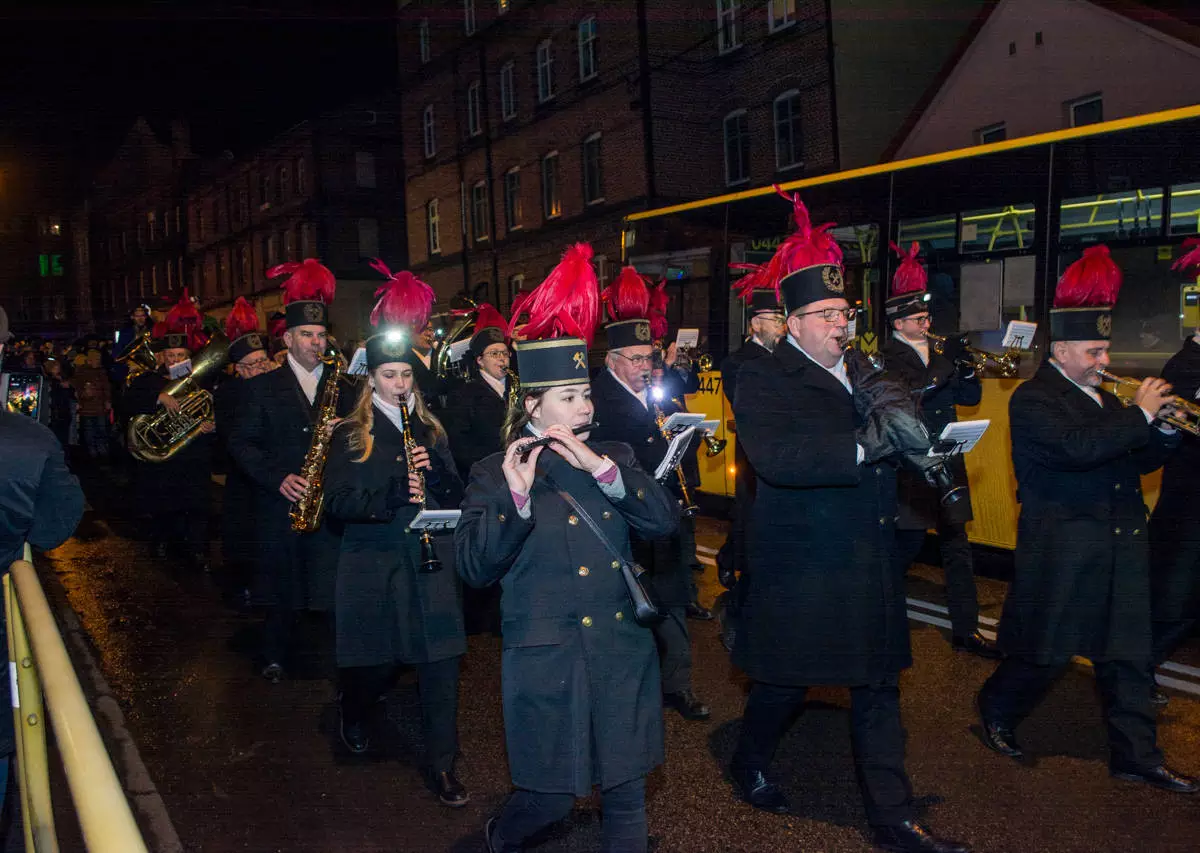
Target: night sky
[[73, 79]]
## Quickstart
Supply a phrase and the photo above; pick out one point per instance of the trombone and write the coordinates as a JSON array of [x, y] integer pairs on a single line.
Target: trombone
[[1179, 413], [1006, 364]]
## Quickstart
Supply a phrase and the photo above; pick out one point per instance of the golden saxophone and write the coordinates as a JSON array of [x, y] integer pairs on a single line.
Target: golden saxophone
[[306, 512]]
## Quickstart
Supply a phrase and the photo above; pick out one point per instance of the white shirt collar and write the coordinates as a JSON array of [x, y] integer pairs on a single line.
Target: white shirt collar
[[838, 371], [497, 385], [921, 347], [393, 412], [641, 397], [423, 356], [300, 370], [308, 379], [1091, 392]]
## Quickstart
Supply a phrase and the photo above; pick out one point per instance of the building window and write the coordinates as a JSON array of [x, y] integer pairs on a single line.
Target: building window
[[515, 283], [244, 267], [474, 123], [423, 39], [551, 200], [301, 177], [789, 138], [781, 13], [603, 269], [266, 189], [243, 208], [593, 179], [283, 184], [512, 199], [427, 131], [479, 217], [587, 48], [166, 224], [1089, 110], [545, 71], [152, 226], [364, 169], [737, 148], [289, 245], [433, 227], [727, 27], [307, 241], [154, 279], [508, 91], [171, 277], [992, 133], [469, 17], [368, 237], [271, 250]]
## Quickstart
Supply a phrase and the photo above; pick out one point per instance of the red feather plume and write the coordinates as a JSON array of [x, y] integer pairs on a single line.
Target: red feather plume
[[628, 297], [183, 316], [1190, 260], [487, 317], [910, 276], [659, 300], [567, 303], [754, 279], [807, 246], [1092, 281], [242, 320], [307, 279], [404, 300], [277, 324]]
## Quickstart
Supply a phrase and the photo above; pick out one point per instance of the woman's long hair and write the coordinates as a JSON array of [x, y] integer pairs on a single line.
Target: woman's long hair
[[362, 419], [516, 418]]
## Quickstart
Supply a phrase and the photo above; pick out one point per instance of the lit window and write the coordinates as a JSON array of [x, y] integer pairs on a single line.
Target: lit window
[[1089, 110], [515, 283], [727, 25], [593, 183], [587, 48], [993, 133], [508, 91], [789, 138], [368, 237], [545, 71], [551, 201], [427, 131], [479, 217], [737, 148], [469, 17], [152, 226], [364, 169], [502, 6], [423, 39], [301, 177], [283, 183], [474, 123], [433, 227], [782, 13], [512, 199]]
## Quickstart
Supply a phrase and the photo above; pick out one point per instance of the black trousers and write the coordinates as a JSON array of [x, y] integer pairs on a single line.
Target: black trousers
[[957, 565], [437, 681], [876, 732], [1016, 687], [527, 812], [674, 650]]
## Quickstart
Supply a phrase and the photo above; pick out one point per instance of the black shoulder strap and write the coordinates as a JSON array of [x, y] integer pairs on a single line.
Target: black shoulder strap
[[587, 519]]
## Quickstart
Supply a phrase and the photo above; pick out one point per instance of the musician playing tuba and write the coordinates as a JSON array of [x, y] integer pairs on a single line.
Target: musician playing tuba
[[175, 491], [388, 611]]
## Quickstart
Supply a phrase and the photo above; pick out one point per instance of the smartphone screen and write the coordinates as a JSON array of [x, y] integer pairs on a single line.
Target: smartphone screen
[[23, 394]]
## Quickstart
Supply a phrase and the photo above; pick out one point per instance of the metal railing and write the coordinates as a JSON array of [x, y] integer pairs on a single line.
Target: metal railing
[[39, 667]]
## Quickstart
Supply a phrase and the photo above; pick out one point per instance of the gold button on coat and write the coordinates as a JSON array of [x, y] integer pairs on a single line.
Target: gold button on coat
[[606, 515], [500, 517], [587, 621], [616, 564], [572, 520], [620, 616], [641, 494], [583, 571]]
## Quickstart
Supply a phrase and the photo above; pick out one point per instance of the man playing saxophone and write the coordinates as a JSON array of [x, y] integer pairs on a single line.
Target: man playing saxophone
[[269, 440], [175, 491]]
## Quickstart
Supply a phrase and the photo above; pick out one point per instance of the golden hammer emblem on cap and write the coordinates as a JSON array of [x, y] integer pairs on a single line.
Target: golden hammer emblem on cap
[[580, 361]]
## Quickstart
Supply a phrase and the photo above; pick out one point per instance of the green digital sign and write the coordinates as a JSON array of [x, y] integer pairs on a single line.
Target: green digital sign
[[50, 266]]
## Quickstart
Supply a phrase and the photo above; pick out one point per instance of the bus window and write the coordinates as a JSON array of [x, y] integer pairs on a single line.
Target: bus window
[[1185, 209], [1111, 216], [936, 232], [998, 228]]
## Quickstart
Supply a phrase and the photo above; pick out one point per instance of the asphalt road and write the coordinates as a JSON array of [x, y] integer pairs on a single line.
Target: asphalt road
[[241, 765]]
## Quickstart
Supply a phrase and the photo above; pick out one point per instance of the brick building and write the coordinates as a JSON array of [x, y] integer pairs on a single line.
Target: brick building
[[530, 125]]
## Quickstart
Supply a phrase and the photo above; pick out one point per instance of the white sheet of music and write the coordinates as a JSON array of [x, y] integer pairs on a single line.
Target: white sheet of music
[[674, 453], [964, 434], [1019, 334], [436, 519], [683, 420]]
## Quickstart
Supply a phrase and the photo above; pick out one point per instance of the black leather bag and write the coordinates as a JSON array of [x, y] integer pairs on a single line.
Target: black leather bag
[[647, 611]]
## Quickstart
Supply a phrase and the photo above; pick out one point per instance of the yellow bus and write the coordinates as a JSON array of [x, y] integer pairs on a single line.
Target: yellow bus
[[997, 224]]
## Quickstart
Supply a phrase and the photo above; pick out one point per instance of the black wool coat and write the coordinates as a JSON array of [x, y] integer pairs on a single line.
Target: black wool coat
[[386, 609], [918, 501], [581, 685], [237, 508], [623, 418], [269, 440], [744, 480], [473, 417], [823, 604], [183, 482], [1174, 533], [1081, 581], [40, 500]]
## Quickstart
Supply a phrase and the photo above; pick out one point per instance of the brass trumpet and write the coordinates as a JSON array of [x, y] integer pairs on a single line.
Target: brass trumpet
[[1182, 414], [1006, 364]]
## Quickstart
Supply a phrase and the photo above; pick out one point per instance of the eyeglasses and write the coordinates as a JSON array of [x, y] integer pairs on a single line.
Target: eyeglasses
[[832, 315], [638, 360], [923, 320], [500, 355]]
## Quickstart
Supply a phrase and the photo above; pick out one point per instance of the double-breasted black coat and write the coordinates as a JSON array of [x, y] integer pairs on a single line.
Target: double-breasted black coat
[[181, 483], [1081, 582], [386, 609], [474, 416], [269, 440], [238, 534], [581, 685], [1174, 533], [949, 386], [824, 605], [623, 418]]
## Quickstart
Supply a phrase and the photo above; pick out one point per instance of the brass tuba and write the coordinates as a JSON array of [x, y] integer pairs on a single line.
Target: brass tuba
[[459, 323], [139, 356], [158, 437]]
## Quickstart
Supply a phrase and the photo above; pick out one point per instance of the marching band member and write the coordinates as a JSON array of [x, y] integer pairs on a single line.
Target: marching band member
[[580, 676], [425, 366], [270, 439], [942, 385], [248, 354], [625, 412], [389, 611], [1174, 538], [175, 491], [824, 605], [475, 410], [1081, 582]]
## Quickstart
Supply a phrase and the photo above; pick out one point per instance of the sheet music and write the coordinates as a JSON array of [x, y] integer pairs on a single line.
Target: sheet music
[[964, 435], [709, 427], [436, 519], [679, 445], [1019, 334], [681, 420], [358, 364], [687, 338], [458, 349]]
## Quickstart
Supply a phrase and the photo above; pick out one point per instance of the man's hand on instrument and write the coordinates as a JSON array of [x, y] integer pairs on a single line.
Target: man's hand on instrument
[[1153, 394], [293, 486], [570, 448], [168, 402], [206, 427], [520, 475]]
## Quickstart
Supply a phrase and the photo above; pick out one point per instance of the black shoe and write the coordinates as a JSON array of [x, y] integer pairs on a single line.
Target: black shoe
[[1160, 777], [354, 735], [911, 837], [686, 703], [976, 644], [450, 792], [1159, 699], [699, 612], [999, 737], [488, 829], [754, 788], [273, 672]]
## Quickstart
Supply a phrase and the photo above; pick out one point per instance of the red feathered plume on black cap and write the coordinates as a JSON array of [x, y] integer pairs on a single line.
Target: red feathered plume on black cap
[[567, 303], [1091, 282], [242, 319], [628, 297], [910, 276], [184, 319], [404, 300], [308, 280], [487, 317], [1190, 260], [659, 300]]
